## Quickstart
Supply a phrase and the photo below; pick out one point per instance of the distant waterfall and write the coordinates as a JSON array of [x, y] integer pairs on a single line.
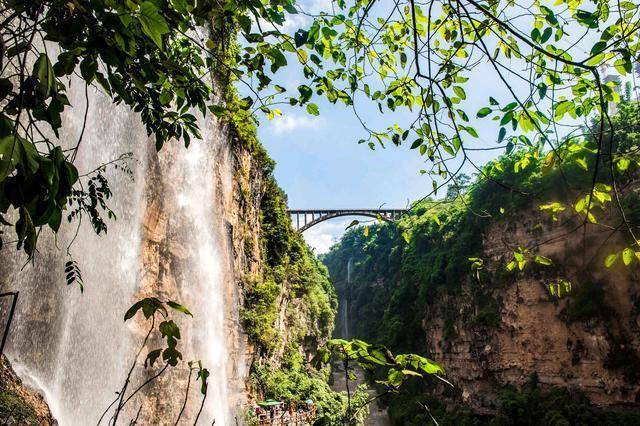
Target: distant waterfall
[[76, 347], [344, 302]]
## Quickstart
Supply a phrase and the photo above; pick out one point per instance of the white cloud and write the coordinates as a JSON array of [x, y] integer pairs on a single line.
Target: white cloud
[[322, 236], [297, 21], [317, 6], [289, 26], [292, 122]]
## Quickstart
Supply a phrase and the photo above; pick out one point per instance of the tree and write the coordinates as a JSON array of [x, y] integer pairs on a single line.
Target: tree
[[457, 186], [398, 56]]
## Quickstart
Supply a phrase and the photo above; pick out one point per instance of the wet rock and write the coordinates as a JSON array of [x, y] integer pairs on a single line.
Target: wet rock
[[20, 404]]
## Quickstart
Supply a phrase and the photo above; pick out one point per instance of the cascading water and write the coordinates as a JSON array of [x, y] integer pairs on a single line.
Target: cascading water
[[188, 199], [74, 344], [344, 302], [76, 347]]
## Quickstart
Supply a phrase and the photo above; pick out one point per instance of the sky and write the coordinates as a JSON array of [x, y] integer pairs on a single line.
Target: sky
[[321, 165]]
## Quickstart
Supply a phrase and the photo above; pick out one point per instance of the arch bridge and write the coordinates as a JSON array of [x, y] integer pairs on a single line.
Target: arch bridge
[[305, 219]]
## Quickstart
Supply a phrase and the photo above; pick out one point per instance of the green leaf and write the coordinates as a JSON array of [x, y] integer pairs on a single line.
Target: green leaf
[[43, 71], [416, 143], [353, 223], [610, 260], [313, 109], [471, 131], [171, 356], [169, 329], [510, 107], [501, 134], [131, 312], [483, 112], [55, 219], [411, 373], [623, 65], [543, 260], [627, 256], [180, 308], [152, 357], [153, 24], [88, 69], [623, 164], [459, 91], [535, 35], [596, 60], [598, 47], [300, 37]]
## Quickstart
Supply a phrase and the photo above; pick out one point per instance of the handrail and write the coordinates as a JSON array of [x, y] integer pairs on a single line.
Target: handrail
[[14, 294]]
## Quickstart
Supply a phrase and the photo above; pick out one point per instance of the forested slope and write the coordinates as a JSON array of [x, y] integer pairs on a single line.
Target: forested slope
[[507, 285], [287, 302]]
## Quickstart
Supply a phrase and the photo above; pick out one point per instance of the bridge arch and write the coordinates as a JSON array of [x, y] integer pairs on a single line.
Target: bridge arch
[[301, 222]]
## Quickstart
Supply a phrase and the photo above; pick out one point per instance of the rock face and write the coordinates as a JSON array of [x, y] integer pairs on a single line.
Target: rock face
[[589, 341], [19, 404]]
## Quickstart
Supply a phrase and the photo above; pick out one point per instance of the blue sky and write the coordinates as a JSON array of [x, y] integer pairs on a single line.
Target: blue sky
[[321, 165]]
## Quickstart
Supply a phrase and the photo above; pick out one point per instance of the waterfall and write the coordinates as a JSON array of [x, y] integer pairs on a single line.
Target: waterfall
[[187, 176], [344, 301], [76, 347]]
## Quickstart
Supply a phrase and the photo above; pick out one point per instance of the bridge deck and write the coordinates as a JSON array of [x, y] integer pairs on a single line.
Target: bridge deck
[[320, 215]]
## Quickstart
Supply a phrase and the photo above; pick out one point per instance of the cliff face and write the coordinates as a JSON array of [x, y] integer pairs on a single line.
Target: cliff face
[[588, 340], [206, 227], [436, 283], [282, 294], [256, 247], [20, 404]]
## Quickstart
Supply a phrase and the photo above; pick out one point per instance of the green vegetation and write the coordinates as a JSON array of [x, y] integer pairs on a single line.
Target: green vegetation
[[432, 260], [15, 410], [291, 272], [295, 381], [401, 268], [533, 405], [142, 53], [421, 58]]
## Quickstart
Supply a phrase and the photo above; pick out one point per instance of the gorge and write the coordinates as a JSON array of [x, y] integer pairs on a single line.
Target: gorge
[[161, 277]]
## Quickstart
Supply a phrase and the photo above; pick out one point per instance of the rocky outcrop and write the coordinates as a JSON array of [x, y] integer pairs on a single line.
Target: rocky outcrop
[[588, 340], [20, 404]]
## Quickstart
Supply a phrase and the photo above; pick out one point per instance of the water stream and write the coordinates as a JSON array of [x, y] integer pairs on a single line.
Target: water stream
[[76, 347]]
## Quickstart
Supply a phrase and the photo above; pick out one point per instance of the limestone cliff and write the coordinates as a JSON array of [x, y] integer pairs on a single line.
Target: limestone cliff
[[589, 340], [284, 300], [435, 283]]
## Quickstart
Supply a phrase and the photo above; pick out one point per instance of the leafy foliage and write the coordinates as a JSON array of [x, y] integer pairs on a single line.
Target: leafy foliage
[[532, 405], [434, 255], [291, 272], [401, 268], [150, 307], [73, 274], [296, 381]]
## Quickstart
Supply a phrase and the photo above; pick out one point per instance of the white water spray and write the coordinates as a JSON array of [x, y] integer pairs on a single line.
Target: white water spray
[[76, 347]]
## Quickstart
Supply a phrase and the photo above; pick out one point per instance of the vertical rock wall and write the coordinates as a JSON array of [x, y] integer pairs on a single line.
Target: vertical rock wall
[[589, 341]]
